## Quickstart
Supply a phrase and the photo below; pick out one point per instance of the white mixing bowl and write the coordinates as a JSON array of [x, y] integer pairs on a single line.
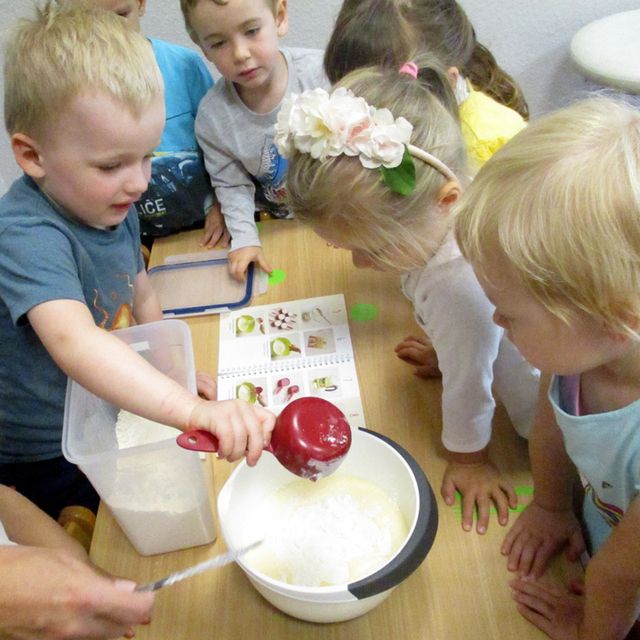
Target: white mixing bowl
[[372, 457]]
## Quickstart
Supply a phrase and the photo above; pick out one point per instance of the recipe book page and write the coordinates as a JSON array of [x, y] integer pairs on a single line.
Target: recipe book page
[[272, 354]]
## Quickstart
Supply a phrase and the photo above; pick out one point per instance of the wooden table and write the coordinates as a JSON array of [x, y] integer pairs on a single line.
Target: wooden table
[[459, 592]]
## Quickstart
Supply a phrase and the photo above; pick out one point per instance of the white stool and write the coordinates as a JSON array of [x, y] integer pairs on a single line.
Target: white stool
[[608, 51]]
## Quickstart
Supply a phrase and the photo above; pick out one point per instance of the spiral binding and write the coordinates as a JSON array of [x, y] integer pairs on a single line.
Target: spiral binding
[[279, 366]]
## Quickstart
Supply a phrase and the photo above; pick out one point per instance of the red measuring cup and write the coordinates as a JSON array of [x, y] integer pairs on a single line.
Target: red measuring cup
[[310, 438]]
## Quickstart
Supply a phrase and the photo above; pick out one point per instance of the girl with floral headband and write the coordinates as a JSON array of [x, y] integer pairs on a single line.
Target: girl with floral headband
[[375, 168]]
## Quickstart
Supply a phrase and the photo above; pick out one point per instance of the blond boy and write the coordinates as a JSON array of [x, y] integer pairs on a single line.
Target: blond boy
[[84, 109], [235, 121]]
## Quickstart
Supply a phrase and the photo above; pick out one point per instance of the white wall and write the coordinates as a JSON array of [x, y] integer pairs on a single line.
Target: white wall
[[529, 39]]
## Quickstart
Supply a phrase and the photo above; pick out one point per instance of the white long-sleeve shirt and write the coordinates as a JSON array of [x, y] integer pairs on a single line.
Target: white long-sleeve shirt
[[474, 354]]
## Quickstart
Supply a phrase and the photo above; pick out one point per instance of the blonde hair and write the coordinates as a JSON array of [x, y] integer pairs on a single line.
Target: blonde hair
[[341, 193], [186, 6], [561, 202], [66, 50]]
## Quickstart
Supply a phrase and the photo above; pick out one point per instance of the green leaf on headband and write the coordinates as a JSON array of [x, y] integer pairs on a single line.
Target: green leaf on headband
[[401, 179]]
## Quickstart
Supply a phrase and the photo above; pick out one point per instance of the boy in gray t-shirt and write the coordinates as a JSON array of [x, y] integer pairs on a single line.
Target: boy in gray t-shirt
[[236, 118]]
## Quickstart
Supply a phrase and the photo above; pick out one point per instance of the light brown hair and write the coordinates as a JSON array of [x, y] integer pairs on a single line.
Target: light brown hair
[[68, 49], [340, 193]]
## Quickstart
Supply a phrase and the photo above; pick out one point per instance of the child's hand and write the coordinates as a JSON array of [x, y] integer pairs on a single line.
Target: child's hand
[[207, 387], [240, 258], [241, 428], [215, 229], [553, 609], [537, 535], [419, 352], [480, 484]]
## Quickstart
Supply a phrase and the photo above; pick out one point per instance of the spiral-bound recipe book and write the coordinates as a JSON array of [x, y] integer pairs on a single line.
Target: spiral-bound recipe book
[[273, 354]]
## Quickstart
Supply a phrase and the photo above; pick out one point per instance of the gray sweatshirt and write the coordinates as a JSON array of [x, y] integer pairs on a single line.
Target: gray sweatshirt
[[238, 145]]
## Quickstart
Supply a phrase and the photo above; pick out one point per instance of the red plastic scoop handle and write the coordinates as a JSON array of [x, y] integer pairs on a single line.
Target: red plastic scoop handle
[[310, 438]]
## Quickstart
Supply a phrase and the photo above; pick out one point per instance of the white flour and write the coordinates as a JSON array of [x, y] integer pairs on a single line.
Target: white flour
[[331, 532], [153, 496], [133, 430]]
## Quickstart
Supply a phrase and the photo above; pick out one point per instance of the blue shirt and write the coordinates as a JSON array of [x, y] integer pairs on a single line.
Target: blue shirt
[[179, 192], [45, 256], [605, 447]]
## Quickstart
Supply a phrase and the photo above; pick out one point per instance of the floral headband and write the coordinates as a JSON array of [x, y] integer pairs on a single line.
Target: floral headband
[[326, 125]]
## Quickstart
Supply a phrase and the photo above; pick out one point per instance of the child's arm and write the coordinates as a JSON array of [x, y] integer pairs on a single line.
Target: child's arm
[[106, 366], [548, 523], [28, 525], [457, 317], [146, 306], [612, 585]]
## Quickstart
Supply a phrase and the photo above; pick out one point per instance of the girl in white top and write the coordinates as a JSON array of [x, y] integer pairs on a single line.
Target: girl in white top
[[363, 171]]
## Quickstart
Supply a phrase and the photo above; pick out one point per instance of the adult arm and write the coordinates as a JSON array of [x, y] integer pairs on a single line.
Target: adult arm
[[26, 524], [47, 594]]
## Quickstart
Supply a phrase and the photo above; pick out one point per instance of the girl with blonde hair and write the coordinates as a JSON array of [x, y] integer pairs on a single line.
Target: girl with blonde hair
[[374, 168], [551, 225]]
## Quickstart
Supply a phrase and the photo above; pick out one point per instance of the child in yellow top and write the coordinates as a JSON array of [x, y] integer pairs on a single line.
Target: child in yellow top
[[390, 32], [551, 226]]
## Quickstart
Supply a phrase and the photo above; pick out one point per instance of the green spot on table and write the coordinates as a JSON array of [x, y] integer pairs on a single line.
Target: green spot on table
[[520, 491], [363, 312], [277, 276]]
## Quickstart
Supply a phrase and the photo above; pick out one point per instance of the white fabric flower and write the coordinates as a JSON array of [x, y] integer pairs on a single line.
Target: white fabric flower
[[327, 125]]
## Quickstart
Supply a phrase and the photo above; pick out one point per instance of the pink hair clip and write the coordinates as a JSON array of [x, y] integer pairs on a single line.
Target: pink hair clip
[[410, 68]]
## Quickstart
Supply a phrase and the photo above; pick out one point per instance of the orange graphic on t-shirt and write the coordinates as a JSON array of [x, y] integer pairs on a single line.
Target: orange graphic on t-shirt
[[123, 318]]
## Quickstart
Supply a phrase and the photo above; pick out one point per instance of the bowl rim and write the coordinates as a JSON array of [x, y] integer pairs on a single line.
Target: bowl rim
[[403, 563]]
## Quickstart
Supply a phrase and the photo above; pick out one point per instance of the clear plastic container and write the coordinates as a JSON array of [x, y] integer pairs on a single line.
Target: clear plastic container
[[157, 492]]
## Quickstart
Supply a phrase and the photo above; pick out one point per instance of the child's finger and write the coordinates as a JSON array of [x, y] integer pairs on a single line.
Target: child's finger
[[483, 508], [263, 264], [238, 269], [468, 510], [448, 491], [501, 501], [575, 546]]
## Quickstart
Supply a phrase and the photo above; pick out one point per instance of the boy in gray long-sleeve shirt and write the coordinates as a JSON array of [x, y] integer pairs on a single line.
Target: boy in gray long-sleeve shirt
[[235, 121]]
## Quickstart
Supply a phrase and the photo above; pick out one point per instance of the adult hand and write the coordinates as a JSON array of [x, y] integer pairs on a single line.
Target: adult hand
[[47, 594]]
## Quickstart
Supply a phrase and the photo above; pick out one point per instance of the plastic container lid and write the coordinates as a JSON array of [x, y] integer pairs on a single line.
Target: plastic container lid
[[200, 287]]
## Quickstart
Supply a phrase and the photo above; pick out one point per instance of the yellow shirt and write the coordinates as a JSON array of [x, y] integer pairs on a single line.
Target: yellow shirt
[[486, 125]]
